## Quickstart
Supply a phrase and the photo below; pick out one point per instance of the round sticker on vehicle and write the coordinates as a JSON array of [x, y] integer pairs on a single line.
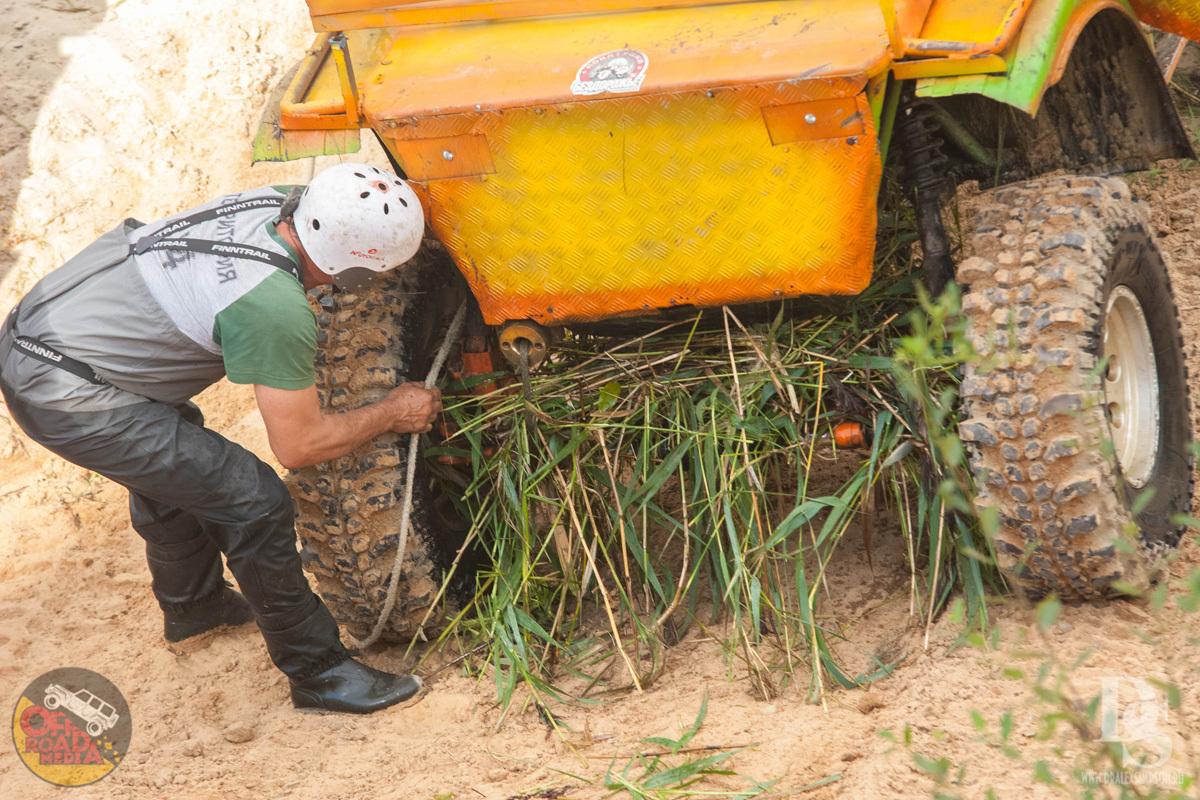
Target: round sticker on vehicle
[[71, 727], [614, 71]]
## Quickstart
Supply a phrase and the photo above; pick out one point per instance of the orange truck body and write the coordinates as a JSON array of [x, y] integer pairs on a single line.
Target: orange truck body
[[589, 159]]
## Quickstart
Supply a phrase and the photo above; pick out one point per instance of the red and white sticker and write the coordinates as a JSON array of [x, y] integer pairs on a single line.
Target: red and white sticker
[[615, 71]]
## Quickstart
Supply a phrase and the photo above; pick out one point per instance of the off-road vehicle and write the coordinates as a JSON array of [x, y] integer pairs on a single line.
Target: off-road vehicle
[[595, 160]]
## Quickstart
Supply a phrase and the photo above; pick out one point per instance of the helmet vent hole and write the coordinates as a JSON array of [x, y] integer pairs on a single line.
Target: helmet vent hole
[[385, 208], [316, 224], [403, 202], [365, 195]]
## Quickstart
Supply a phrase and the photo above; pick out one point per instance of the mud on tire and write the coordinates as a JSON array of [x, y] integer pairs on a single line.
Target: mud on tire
[[1050, 258], [349, 509]]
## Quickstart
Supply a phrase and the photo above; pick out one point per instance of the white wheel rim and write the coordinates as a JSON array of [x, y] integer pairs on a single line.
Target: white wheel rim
[[1130, 386]]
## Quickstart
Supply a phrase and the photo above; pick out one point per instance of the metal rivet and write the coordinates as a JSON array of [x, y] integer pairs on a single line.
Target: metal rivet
[[446, 154], [810, 118]]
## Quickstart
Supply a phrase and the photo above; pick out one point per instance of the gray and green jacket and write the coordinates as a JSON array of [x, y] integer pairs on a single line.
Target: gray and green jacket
[[164, 324]]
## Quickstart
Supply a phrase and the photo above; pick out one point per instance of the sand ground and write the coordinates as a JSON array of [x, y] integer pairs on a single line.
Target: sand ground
[[145, 107]]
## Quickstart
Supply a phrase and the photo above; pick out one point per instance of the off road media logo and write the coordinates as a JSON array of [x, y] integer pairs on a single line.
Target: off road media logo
[[614, 71], [1131, 712], [71, 727], [1135, 721]]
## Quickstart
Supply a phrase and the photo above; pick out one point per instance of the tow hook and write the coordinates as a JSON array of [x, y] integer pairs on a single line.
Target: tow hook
[[518, 337]]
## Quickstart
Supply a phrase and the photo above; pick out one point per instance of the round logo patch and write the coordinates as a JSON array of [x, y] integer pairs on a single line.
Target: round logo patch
[[614, 71], [71, 726]]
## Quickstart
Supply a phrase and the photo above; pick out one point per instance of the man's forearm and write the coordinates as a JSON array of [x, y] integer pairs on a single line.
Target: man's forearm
[[301, 435], [336, 435]]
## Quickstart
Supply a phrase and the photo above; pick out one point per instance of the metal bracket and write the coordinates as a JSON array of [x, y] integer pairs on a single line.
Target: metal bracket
[[535, 339], [341, 57]]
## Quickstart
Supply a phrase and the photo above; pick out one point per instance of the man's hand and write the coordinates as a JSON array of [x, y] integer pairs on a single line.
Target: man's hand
[[301, 435], [414, 407]]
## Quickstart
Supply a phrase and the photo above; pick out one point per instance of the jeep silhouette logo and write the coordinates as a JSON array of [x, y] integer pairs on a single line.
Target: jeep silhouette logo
[[71, 727], [99, 715]]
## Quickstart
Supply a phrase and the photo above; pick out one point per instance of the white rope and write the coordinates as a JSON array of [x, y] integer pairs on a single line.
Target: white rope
[[406, 513]]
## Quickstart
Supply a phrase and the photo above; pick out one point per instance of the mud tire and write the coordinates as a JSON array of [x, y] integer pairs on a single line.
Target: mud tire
[[349, 509], [1045, 257]]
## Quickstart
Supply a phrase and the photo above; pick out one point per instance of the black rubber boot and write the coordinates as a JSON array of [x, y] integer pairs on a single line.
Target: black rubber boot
[[227, 607], [353, 688]]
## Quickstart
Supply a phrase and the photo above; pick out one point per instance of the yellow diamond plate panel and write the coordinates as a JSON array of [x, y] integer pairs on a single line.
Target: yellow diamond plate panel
[[1176, 16], [626, 205]]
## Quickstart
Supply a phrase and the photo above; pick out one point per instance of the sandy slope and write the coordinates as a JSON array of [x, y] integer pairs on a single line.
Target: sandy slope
[[146, 108]]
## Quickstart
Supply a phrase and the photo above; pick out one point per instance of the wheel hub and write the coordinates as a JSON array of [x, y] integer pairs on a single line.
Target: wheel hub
[[1130, 386]]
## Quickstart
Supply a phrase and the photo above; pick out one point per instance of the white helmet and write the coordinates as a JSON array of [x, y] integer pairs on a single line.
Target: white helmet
[[356, 221]]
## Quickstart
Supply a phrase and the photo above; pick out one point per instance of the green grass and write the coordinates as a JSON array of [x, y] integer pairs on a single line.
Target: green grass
[[670, 481]]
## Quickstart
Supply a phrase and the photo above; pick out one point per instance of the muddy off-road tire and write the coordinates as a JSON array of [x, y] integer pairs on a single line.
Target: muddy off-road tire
[[1063, 274], [349, 509]]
